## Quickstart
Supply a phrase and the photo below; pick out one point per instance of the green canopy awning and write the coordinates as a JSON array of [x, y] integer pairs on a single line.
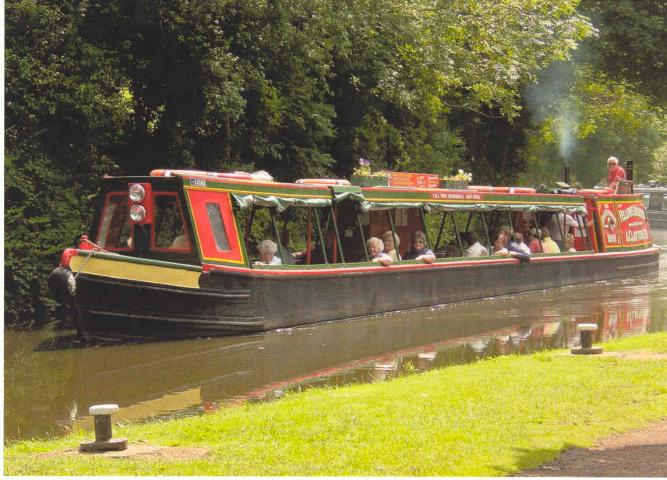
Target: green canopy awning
[[280, 203]]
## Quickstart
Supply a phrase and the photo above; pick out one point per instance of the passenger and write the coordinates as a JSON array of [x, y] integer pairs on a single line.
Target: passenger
[[534, 243], [508, 232], [561, 221], [375, 252], [520, 244], [389, 247], [475, 249], [419, 249], [499, 245], [549, 245], [267, 253], [568, 243], [503, 246]]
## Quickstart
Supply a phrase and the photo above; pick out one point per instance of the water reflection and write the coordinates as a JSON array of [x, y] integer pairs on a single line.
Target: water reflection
[[48, 388]]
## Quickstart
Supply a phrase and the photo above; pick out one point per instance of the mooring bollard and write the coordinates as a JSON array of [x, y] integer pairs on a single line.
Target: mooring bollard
[[586, 333], [103, 434]]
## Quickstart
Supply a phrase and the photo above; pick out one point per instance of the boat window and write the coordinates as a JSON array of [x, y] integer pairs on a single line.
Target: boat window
[[218, 227], [170, 231], [114, 232]]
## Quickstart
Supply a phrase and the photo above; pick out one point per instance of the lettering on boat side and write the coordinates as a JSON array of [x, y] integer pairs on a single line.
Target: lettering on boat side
[[197, 182], [634, 227], [455, 196]]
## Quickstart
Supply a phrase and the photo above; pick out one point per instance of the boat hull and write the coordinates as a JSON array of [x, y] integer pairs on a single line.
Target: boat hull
[[237, 300]]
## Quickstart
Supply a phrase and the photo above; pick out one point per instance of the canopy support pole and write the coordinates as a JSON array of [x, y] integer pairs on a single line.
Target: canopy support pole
[[361, 233], [539, 231], [456, 232], [486, 231], [442, 226], [335, 224], [275, 230], [469, 221], [320, 236], [428, 242], [309, 239], [393, 233]]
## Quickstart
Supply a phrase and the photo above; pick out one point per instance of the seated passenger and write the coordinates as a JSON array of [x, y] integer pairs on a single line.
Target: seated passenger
[[475, 249], [499, 245], [534, 243], [267, 253], [389, 247], [419, 249], [549, 245], [520, 244], [568, 243], [503, 246], [375, 252]]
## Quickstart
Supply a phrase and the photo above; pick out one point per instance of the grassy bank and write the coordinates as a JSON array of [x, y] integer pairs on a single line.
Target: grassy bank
[[494, 417]]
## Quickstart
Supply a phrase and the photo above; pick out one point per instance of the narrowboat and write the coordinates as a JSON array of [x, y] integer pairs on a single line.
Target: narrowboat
[[175, 253], [655, 201]]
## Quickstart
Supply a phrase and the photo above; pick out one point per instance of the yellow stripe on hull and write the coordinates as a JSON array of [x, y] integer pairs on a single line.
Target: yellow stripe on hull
[[137, 272]]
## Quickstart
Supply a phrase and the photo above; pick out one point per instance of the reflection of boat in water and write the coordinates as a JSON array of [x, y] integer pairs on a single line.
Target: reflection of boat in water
[[173, 253], [189, 376]]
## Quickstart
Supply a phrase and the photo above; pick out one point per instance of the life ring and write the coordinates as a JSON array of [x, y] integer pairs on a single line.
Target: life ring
[[200, 173], [521, 190], [322, 181], [595, 191], [501, 189]]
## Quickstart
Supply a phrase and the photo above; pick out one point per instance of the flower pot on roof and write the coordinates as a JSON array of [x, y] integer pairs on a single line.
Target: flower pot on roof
[[459, 180], [362, 176]]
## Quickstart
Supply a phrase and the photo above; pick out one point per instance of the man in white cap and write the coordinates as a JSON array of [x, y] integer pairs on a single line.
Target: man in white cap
[[614, 172]]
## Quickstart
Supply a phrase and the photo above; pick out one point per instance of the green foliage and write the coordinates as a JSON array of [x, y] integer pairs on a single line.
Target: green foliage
[[631, 42], [583, 118], [63, 111]]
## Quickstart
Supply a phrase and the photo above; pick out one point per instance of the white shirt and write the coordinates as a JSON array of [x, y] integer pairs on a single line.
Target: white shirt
[[563, 220], [477, 250], [524, 248]]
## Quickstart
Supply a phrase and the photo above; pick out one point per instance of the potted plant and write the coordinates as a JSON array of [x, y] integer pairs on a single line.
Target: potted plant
[[459, 180], [363, 176]]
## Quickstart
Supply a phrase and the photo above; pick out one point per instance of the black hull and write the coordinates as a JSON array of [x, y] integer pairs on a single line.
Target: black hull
[[230, 303]]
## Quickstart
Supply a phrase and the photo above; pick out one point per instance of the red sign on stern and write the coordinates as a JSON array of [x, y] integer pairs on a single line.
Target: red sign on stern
[[634, 227]]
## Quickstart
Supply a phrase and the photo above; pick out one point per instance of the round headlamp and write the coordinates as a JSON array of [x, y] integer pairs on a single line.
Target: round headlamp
[[137, 193], [137, 213]]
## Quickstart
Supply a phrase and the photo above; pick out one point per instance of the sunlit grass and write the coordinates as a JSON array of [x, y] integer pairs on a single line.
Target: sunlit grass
[[491, 418]]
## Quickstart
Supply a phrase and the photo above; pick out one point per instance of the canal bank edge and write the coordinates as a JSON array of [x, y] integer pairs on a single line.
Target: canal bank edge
[[493, 418]]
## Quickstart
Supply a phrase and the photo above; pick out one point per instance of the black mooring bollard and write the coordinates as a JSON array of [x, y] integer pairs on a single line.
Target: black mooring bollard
[[103, 433], [586, 335]]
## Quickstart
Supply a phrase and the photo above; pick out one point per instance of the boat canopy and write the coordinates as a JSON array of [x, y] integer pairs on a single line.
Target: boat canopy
[[449, 201], [280, 202]]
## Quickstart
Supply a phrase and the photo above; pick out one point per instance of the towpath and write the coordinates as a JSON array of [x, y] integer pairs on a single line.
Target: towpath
[[639, 453]]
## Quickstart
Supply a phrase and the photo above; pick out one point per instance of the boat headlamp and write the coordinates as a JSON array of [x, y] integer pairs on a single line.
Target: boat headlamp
[[137, 192], [137, 213]]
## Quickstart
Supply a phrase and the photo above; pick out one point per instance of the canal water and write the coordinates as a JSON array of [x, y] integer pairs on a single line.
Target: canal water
[[51, 380]]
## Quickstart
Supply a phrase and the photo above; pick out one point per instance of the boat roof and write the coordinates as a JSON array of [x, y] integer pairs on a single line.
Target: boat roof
[[248, 191]]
